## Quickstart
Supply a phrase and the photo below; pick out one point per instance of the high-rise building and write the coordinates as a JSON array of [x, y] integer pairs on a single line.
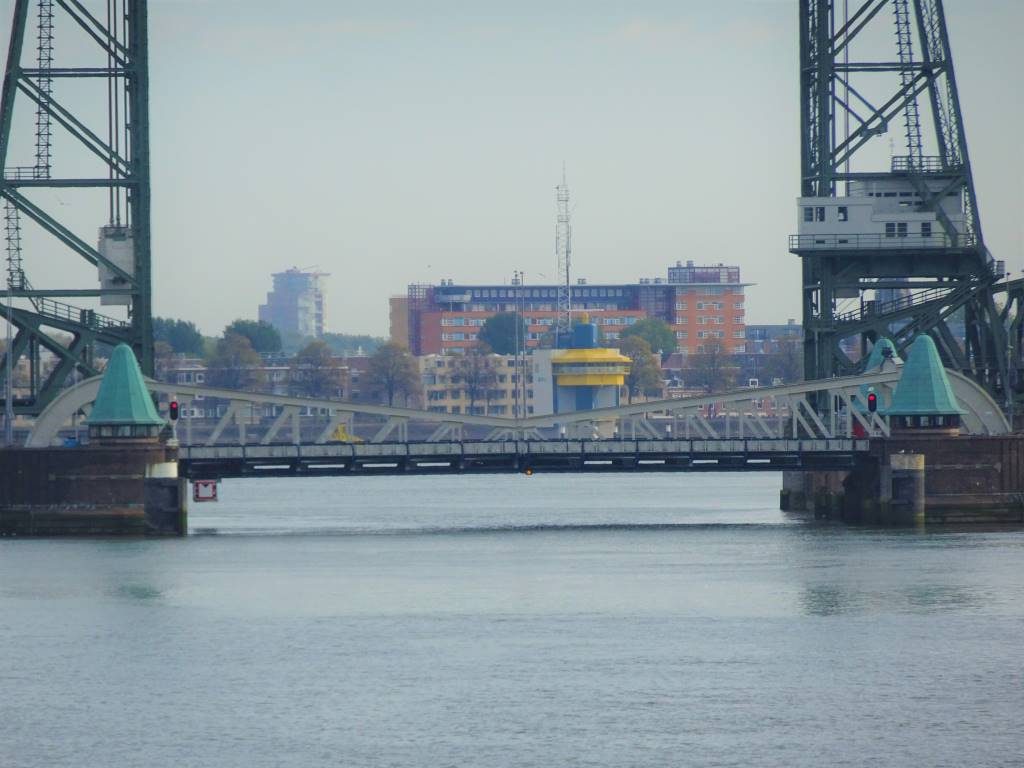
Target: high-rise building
[[703, 305], [398, 315], [297, 306]]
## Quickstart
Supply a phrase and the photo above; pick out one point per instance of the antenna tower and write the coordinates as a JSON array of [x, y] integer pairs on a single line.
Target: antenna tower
[[563, 251]]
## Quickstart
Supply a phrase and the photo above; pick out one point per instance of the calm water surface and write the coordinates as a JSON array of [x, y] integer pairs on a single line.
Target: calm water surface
[[511, 621]]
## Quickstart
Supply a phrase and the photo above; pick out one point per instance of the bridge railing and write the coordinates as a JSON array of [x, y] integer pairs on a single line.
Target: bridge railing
[[877, 241]]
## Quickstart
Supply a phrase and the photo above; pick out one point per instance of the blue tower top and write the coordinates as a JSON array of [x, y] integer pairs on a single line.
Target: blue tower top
[[584, 334]]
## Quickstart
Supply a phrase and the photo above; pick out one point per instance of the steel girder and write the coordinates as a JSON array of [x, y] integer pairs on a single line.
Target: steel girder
[[923, 68], [121, 144]]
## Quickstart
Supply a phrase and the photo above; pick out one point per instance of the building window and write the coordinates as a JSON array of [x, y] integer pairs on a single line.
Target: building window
[[844, 213], [681, 320], [819, 213], [682, 335], [680, 306], [738, 335], [808, 214]]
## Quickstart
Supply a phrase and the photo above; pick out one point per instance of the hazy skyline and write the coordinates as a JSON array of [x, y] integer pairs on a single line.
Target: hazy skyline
[[385, 144]]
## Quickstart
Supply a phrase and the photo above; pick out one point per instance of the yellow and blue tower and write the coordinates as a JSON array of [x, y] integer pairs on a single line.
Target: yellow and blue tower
[[587, 376]]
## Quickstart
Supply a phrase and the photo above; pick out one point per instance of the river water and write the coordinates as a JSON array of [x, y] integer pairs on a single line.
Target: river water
[[553, 620]]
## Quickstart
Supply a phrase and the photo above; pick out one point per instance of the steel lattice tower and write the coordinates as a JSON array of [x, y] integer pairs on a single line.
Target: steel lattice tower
[[118, 144], [928, 270], [563, 252]]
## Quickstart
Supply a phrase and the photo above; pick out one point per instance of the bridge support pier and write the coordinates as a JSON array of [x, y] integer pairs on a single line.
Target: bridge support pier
[[92, 491], [918, 479]]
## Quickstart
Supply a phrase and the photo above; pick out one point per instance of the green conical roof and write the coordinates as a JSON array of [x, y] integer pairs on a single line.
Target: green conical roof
[[123, 397], [873, 365], [878, 355], [924, 388]]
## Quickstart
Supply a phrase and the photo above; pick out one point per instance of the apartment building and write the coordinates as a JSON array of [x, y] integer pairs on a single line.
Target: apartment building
[[702, 304], [495, 387]]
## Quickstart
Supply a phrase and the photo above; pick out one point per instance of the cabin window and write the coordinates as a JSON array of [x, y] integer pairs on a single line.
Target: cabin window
[[844, 213], [808, 214], [926, 229], [819, 213]]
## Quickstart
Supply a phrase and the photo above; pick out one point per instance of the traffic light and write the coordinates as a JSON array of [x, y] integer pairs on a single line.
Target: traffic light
[[872, 402], [173, 408]]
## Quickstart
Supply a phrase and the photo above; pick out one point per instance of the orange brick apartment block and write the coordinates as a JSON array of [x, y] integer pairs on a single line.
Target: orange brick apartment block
[[702, 304]]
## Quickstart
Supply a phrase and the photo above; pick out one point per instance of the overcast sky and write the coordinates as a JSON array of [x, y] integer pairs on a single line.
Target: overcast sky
[[391, 142]]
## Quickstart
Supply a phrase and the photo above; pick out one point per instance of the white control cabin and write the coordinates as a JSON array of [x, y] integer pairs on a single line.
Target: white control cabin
[[877, 214]]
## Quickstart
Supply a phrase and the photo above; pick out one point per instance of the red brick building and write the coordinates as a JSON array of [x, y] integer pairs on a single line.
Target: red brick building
[[702, 304]]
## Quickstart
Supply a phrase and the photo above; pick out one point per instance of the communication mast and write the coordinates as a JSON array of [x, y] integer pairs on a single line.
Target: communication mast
[[563, 252]]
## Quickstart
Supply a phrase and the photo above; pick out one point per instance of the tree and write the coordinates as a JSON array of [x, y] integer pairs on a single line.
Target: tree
[[711, 370], [181, 336], [655, 332], [785, 362], [313, 372], [348, 343], [499, 333], [644, 375], [234, 362], [391, 372], [476, 372], [163, 354], [263, 337]]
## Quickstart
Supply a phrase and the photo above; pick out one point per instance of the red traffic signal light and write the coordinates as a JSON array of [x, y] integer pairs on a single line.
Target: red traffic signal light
[[173, 408], [872, 402]]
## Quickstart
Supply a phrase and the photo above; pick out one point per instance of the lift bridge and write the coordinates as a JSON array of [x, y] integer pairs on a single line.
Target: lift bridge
[[891, 244], [772, 428]]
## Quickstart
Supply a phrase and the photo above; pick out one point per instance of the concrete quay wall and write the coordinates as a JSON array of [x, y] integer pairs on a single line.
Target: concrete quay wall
[[966, 479], [91, 491]]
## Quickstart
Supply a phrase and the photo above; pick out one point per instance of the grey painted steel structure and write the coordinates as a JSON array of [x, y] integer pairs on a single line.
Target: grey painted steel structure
[[951, 276], [122, 145], [770, 413], [649, 455]]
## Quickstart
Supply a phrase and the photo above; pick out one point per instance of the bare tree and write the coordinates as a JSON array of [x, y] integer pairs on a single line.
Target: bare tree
[[711, 370], [476, 372], [392, 372]]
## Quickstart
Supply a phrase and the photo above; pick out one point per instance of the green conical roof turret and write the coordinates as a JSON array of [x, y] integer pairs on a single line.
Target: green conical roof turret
[[878, 355], [924, 388], [123, 397]]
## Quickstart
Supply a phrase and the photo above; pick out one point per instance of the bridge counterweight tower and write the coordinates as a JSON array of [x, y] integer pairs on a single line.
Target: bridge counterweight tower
[[895, 251], [118, 145]]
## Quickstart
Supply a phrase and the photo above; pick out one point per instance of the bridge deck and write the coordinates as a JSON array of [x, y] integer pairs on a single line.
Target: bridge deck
[[209, 462]]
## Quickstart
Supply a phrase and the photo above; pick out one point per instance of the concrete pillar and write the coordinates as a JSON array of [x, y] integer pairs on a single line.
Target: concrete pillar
[[907, 488]]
